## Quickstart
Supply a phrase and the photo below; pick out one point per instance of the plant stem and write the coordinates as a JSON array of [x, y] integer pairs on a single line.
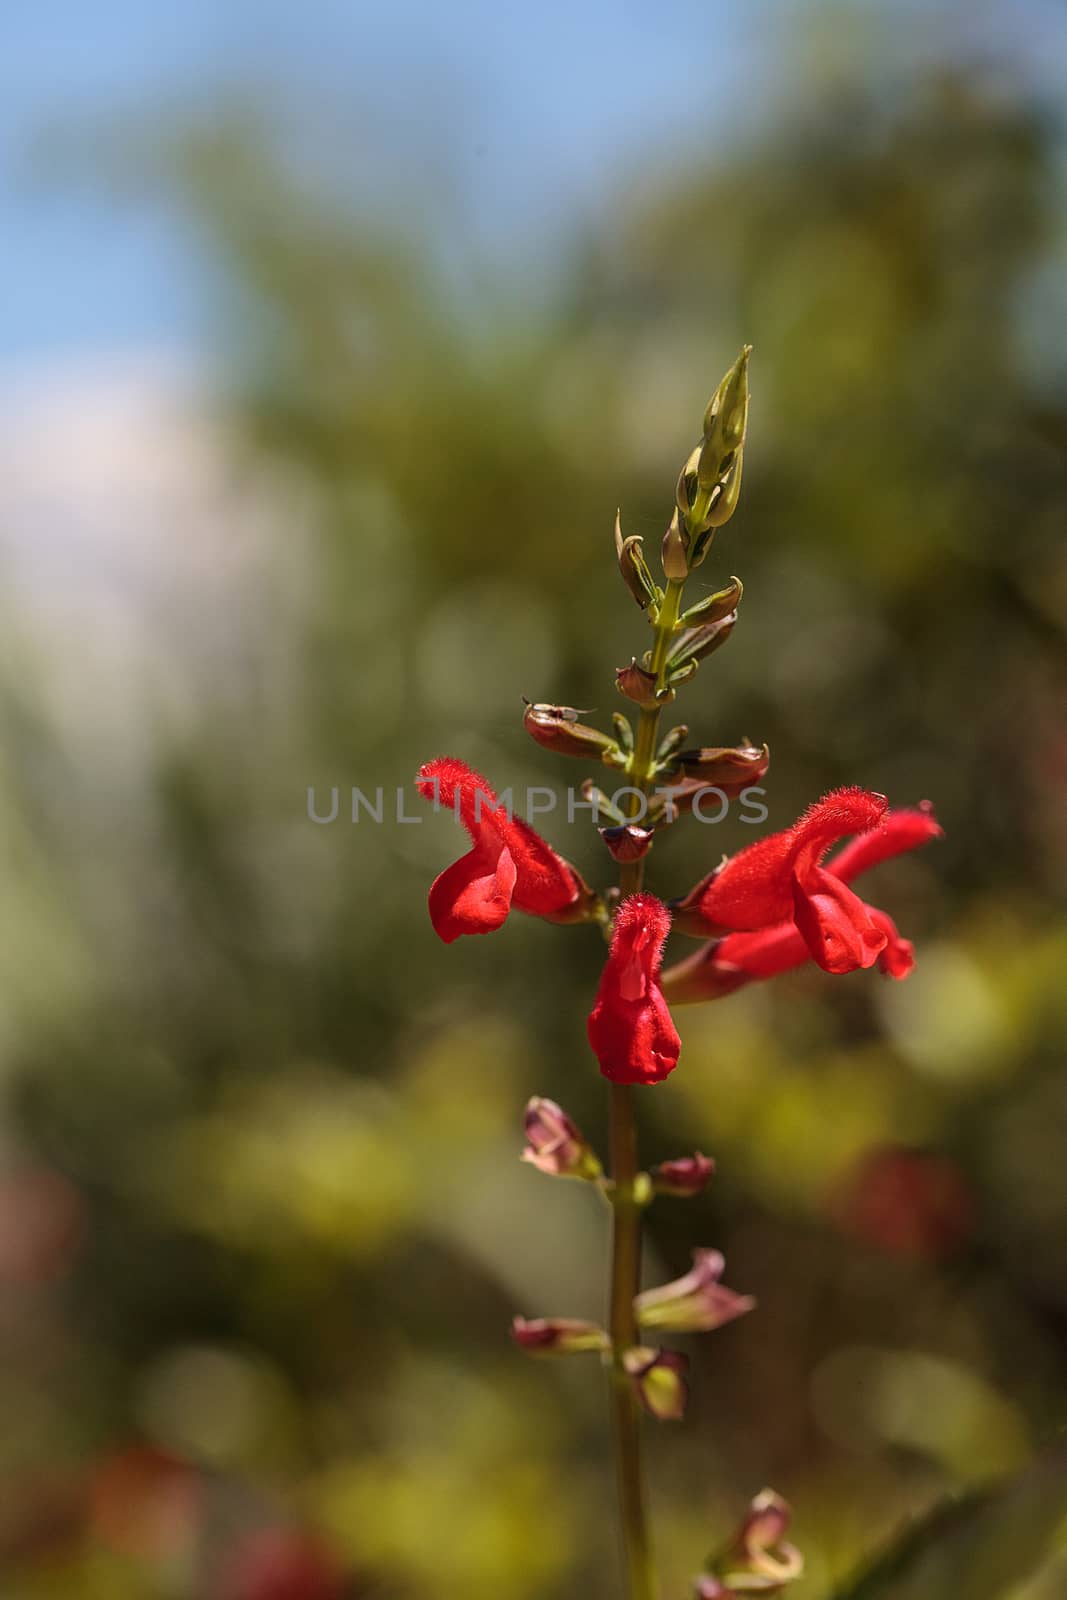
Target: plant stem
[[625, 1281], [626, 1229]]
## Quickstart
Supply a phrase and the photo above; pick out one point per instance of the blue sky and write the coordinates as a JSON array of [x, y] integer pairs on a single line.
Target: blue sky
[[530, 113]]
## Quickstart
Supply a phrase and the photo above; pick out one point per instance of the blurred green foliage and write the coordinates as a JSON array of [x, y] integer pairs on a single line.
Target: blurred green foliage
[[264, 1128]]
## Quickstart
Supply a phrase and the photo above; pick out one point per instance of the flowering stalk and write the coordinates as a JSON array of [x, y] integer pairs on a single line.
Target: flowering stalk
[[626, 1218], [771, 907]]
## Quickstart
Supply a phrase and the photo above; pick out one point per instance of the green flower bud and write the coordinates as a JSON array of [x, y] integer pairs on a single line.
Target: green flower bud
[[673, 555], [724, 504], [725, 421], [634, 568], [697, 643], [715, 606]]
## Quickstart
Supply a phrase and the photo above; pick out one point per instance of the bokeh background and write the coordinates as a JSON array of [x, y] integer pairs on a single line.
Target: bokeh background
[[330, 339]]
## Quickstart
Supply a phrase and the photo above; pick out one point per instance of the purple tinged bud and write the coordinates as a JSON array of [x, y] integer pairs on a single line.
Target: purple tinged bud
[[725, 767], [557, 1336], [557, 728], [634, 568], [629, 842], [659, 1377], [762, 1545], [758, 1560], [685, 1176], [695, 1303], [555, 1145], [639, 685], [696, 644]]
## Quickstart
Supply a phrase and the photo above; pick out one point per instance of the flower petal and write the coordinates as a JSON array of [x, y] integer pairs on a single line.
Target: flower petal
[[630, 1026], [754, 889], [835, 924], [467, 898]]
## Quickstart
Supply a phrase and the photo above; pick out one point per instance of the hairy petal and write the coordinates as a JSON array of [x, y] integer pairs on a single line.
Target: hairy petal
[[906, 829], [509, 864], [834, 923], [630, 1026], [754, 888]]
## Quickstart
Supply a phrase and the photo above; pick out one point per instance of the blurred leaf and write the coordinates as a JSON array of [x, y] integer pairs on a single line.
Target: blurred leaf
[[978, 1548]]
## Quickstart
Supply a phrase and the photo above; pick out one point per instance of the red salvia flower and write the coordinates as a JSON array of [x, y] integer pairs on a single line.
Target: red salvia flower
[[508, 865], [630, 1027], [726, 964]]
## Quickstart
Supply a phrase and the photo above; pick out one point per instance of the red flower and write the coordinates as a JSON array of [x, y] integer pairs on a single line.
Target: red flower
[[509, 864], [630, 1027], [834, 928]]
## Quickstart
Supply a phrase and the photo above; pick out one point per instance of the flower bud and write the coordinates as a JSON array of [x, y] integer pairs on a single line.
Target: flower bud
[[659, 1379], [557, 728], [671, 742], [623, 732], [605, 806], [557, 1336], [725, 422], [628, 842], [758, 1560], [724, 503], [634, 568], [686, 489], [715, 606], [695, 644], [555, 1145], [695, 1303], [730, 768], [684, 1176], [673, 552], [639, 685]]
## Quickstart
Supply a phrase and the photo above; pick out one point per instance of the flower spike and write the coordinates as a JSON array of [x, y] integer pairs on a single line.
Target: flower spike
[[630, 1027]]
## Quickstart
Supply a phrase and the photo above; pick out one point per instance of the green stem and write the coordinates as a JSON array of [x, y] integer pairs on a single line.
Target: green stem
[[626, 1230], [625, 1281]]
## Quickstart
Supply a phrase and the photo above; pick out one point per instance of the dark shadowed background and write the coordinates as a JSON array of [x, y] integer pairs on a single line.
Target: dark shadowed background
[[330, 341]]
